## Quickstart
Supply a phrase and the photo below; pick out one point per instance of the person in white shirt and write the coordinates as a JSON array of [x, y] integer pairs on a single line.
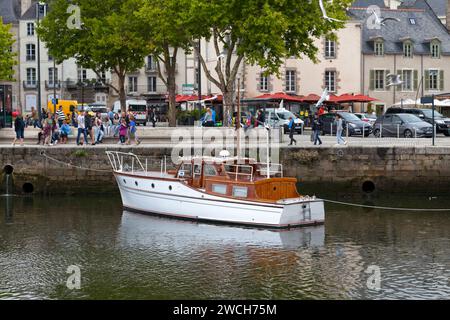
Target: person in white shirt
[[81, 128]]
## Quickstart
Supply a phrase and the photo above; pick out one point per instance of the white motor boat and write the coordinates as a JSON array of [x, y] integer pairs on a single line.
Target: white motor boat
[[215, 189]]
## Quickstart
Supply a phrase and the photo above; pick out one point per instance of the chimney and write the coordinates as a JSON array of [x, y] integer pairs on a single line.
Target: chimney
[[24, 6], [392, 4]]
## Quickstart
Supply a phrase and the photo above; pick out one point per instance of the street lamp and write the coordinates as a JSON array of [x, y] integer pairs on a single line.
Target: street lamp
[[199, 76]]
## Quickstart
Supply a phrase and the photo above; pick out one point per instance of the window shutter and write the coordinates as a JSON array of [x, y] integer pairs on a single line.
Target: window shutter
[[258, 83], [426, 80], [386, 72], [372, 80], [416, 79], [441, 80]]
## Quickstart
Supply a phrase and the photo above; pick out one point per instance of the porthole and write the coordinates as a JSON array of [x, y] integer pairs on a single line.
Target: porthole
[[124, 181], [136, 183], [274, 188], [153, 186], [170, 188]]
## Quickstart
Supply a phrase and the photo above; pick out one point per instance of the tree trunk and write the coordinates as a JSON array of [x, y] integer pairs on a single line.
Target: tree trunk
[[171, 86], [122, 94], [227, 108]]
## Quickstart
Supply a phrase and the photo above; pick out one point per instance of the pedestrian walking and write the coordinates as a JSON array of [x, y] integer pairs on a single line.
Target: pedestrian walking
[[35, 118], [152, 117], [291, 128], [133, 131], [316, 126], [339, 129], [81, 121], [19, 128]]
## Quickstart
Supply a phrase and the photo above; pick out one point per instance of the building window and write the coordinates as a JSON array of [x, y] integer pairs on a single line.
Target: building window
[[151, 64], [209, 170], [435, 50], [379, 79], [31, 76], [330, 49], [101, 77], [81, 74], [330, 81], [433, 80], [132, 84], [151, 84], [407, 78], [379, 48], [52, 76], [263, 82], [291, 81], [31, 52], [407, 50], [30, 29]]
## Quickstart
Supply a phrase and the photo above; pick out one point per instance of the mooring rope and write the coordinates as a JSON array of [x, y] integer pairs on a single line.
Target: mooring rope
[[383, 208], [72, 165]]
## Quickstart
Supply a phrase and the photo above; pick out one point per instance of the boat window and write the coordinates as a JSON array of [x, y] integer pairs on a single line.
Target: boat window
[[240, 192], [209, 170], [185, 170], [219, 188], [197, 169]]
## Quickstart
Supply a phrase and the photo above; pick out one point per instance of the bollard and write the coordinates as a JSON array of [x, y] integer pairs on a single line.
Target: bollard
[[364, 130], [331, 130], [415, 133], [346, 129], [381, 131], [303, 127], [398, 131]]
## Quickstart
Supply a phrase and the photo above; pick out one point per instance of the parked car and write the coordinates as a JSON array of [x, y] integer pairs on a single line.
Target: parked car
[[366, 117], [280, 118], [355, 125], [402, 125], [442, 123]]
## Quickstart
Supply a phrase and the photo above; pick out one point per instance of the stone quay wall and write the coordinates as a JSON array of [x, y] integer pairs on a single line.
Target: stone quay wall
[[351, 169]]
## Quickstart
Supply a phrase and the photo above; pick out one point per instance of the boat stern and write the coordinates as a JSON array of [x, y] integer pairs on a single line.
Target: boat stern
[[302, 211]]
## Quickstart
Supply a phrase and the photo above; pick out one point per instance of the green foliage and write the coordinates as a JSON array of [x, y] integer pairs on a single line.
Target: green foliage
[[7, 57], [81, 154], [110, 38], [267, 31]]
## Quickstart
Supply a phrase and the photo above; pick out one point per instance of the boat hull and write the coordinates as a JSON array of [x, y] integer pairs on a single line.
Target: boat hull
[[173, 198]]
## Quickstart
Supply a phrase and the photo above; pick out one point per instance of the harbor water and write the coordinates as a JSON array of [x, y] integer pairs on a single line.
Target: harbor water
[[358, 254]]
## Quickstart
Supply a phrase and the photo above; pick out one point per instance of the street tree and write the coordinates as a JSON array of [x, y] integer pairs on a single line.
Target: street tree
[[100, 35], [7, 57], [164, 26], [261, 32]]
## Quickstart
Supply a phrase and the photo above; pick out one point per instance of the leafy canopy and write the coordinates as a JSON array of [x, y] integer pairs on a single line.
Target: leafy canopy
[[7, 57]]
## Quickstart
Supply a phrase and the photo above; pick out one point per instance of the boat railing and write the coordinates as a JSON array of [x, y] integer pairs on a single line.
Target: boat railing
[[132, 163], [275, 169], [236, 171]]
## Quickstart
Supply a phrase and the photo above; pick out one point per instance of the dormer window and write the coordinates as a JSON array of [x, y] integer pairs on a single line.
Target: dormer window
[[407, 49], [435, 48], [379, 48]]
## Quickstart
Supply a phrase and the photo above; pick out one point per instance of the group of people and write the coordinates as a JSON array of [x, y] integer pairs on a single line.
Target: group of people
[[316, 127], [57, 127]]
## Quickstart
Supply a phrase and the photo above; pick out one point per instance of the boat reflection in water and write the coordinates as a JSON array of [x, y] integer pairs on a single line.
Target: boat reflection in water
[[138, 229]]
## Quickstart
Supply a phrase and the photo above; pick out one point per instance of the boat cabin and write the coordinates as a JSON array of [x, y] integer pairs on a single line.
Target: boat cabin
[[245, 179]]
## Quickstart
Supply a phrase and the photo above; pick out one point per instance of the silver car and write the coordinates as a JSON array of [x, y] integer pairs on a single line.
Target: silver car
[[402, 125]]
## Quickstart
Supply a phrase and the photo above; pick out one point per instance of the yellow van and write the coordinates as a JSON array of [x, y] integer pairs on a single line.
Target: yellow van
[[67, 106]]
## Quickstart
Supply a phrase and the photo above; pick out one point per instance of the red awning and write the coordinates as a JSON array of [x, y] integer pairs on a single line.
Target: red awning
[[348, 98], [311, 98], [278, 97], [186, 98]]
